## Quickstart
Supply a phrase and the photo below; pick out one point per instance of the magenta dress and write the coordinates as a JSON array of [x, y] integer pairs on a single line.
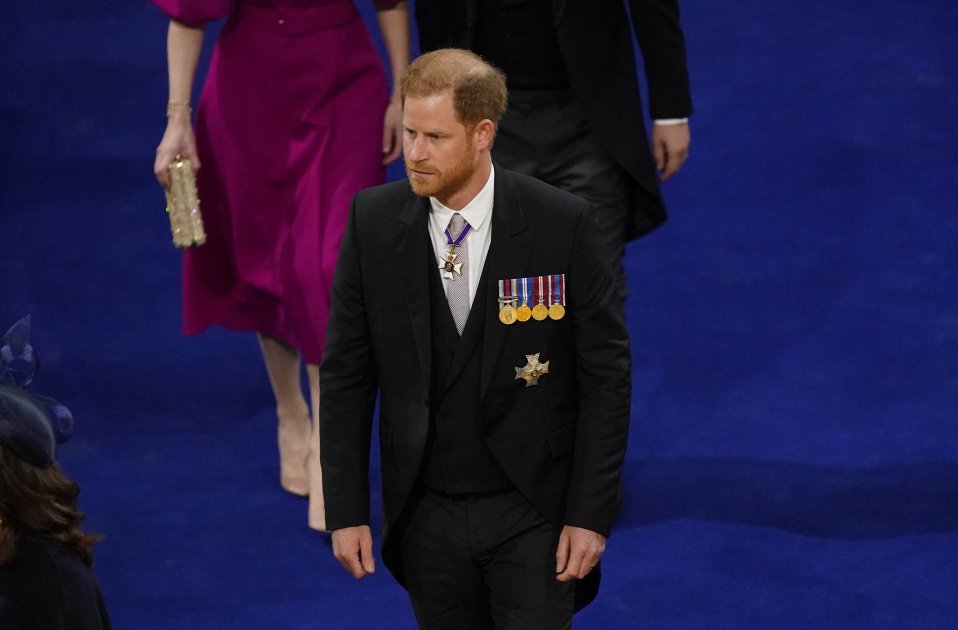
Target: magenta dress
[[288, 129]]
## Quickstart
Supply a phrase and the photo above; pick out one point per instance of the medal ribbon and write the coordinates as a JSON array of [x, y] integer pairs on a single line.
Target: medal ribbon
[[507, 289], [533, 290], [558, 285], [460, 238]]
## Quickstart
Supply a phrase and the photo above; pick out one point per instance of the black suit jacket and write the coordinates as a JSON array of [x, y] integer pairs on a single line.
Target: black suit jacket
[[561, 443], [595, 41]]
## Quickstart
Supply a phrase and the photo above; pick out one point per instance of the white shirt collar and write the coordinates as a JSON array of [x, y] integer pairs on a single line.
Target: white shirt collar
[[476, 212]]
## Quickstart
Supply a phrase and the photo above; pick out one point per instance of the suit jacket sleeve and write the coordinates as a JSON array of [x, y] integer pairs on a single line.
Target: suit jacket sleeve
[[660, 37], [604, 375], [348, 384]]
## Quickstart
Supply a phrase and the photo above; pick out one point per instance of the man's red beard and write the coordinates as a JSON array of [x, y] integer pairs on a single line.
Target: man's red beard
[[440, 184]]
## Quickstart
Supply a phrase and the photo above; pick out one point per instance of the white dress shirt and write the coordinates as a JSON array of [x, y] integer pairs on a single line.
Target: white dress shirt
[[478, 214]]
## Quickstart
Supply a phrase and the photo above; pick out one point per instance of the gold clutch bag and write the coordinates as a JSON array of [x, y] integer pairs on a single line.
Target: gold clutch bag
[[183, 205]]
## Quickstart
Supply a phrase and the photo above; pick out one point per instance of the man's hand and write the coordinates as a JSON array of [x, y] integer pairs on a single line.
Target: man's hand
[[353, 547], [670, 145], [579, 551]]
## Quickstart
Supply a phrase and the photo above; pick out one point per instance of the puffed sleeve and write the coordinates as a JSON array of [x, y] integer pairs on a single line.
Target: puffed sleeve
[[196, 11], [382, 5]]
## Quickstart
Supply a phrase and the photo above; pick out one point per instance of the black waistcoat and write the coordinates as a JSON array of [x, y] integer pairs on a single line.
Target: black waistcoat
[[456, 458]]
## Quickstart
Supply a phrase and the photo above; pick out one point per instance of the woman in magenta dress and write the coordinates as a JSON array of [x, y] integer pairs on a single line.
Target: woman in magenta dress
[[293, 120]]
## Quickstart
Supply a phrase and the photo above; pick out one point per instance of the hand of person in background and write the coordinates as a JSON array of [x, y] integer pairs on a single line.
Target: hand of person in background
[[670, 145], [177, 140], [394, 27], [392, 131], [183, 45]]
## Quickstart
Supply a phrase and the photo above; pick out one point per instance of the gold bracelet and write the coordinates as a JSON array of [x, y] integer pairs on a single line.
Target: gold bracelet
[[172, 106]]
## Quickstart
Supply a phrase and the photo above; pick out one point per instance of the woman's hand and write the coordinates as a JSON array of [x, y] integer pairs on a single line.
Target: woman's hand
[[392, 131], [177, 140]]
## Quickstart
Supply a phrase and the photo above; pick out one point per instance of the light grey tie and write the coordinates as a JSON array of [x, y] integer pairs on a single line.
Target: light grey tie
[[457, 289]]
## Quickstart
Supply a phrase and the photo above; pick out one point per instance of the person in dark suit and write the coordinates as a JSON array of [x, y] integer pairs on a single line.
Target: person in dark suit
[[575, 116], [475, 302]]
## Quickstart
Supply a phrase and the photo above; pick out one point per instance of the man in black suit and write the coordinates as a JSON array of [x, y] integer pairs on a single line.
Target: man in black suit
[[575, 117], [476, 303]]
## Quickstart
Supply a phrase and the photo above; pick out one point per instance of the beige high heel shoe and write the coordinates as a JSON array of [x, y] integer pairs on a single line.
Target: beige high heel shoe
[[317, 507], [293, 436]]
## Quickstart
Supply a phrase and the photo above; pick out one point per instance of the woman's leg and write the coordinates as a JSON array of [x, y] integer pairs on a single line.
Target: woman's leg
[[317, 507], [283, 367]]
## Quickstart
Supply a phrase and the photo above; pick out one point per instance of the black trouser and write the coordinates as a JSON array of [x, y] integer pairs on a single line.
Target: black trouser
[[545, 134], [483, 561]]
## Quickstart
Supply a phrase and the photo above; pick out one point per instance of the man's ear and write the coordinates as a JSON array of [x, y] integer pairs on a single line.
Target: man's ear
[[483, 133]]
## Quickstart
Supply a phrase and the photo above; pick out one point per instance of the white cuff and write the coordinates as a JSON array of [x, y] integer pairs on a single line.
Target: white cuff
[[666, 122]]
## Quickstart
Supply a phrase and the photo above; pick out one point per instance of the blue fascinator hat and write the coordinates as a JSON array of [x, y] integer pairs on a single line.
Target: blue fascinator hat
[[31, 425]]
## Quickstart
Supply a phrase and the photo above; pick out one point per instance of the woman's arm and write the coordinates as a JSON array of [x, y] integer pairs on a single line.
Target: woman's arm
[[183, 46], [394, 26]]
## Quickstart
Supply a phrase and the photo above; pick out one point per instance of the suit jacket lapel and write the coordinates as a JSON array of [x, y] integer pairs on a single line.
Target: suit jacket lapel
[[508, 258], [412, 261]]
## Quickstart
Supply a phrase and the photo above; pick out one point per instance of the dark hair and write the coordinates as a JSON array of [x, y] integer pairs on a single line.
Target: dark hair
[[42, 502], [478, 88]]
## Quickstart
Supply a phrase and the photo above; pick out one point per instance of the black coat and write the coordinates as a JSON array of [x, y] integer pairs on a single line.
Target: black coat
[[46, 587], [561, 443], [595, 40]]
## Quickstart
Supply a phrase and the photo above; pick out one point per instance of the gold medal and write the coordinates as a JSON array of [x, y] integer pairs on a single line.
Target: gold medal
[[556, 311], [507, 301], [524, 313], [540, 311]]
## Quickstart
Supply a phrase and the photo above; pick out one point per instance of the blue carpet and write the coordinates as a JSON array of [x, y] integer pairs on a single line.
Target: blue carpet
[[794, 449]]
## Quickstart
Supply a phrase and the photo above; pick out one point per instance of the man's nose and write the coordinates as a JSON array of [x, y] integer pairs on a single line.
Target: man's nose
[[415, 149]]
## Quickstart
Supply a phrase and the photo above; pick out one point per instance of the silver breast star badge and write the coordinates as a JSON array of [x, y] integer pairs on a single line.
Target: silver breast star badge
[[533, 370]]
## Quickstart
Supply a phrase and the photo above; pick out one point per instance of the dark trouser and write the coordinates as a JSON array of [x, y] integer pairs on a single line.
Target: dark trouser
[[478, 562], [545, 134]]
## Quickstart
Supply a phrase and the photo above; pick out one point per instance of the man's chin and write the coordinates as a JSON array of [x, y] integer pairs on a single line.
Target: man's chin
[[421, 188]]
